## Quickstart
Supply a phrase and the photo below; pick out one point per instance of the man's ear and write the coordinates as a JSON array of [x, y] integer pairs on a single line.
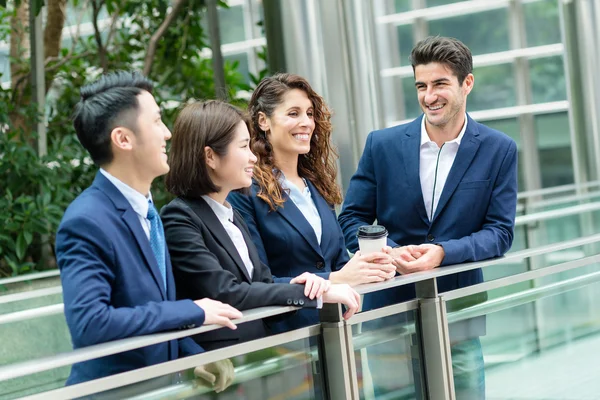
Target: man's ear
[[211, 157], [263, 122], [122, 138], [468, 83]]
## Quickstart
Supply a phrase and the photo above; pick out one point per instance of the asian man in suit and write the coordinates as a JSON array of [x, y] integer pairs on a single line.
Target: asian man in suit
[[444, 186], [115, 268]]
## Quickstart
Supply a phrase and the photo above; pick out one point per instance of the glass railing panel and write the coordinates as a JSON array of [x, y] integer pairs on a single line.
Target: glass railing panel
[[289, 371], [387, 358], [32, 339], [532, 340]]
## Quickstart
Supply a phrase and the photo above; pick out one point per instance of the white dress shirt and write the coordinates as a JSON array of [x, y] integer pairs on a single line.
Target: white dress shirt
[[225, 215], [138, 201], [434, 166], [305, 203]]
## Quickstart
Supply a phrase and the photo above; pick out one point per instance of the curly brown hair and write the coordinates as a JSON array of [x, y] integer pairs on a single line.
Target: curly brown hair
[[318, 165]]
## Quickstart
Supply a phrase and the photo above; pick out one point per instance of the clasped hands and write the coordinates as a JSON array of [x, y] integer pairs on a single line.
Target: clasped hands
[[416, 258]]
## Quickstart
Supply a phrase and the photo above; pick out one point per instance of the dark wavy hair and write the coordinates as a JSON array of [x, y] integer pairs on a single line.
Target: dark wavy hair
[[318, 165]]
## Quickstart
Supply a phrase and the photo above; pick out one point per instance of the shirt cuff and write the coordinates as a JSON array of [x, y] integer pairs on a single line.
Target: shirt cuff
[[319, 302]]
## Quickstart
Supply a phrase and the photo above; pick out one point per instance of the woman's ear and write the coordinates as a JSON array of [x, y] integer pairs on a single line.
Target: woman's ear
[[263, 122], [211, 158]]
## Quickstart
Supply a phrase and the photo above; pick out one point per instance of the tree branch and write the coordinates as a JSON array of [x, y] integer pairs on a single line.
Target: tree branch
[[148, 61], [96, 7]]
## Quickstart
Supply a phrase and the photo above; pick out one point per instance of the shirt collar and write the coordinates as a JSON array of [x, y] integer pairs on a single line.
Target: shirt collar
[[223, 212], [425, 137], [138, 201], [286, 184]]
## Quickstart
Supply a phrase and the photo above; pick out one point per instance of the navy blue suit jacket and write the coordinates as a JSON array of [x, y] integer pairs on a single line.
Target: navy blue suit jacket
[[287, 243], [112, 287], [475, 216]]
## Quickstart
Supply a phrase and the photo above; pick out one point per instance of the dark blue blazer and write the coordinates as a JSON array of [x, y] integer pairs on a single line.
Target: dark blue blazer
[[287, 243], [475, 216], [112, 287]]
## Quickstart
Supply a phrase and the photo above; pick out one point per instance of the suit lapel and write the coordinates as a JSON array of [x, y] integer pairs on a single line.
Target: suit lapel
[[325, 213], [294, 216], [252, 252], [410, 148], [213, 224], [132, 220], [466, 152]]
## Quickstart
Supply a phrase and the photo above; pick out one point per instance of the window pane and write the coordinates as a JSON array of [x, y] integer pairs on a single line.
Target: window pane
[[243, 67], [411, 103], [542, 22], [548, 79], [4, 67], [484, 32], [402, 5], [494, 88], [231, 25], [405, 43], [554, 143], [433, 3], [510, 126]]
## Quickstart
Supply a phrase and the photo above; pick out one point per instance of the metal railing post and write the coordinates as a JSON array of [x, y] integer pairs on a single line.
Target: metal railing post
[[337, 354], [436, 357]]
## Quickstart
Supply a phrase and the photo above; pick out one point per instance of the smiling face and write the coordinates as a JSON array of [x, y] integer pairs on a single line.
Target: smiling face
[[234, 170], [149, 142], [291, 125], [441, 97]]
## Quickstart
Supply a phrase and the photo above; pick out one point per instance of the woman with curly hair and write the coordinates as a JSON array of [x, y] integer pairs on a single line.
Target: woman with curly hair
[[290, 209]]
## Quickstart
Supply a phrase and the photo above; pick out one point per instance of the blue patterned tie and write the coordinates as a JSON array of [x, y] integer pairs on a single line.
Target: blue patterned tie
[[157, 241]]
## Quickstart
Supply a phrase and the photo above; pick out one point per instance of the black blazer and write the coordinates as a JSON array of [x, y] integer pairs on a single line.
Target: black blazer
[[207, 264]]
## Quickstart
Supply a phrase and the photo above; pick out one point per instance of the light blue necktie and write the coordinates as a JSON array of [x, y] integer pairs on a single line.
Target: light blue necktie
[[157, 241]]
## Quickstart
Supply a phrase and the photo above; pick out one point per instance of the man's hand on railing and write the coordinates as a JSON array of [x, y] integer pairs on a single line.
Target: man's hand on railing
[[218, 375], [344, 294], [218, 313], [424, 257]]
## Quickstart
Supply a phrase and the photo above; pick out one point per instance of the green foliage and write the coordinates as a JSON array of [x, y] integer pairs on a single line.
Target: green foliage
[[35, 191]]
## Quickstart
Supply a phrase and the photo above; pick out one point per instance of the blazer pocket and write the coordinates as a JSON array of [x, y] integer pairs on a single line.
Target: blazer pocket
[[473, 184]]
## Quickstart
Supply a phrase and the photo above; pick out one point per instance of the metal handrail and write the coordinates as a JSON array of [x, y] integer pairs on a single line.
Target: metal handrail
[[559, 213], [119, 346], [454, 269], [520, 298], [33, 294], [557, 189], [30, 277]]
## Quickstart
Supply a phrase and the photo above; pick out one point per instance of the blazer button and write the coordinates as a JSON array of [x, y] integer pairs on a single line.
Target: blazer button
[[289, 302], [320, 265], [295, 302], [301, 302], [430, 237], [190, 326]]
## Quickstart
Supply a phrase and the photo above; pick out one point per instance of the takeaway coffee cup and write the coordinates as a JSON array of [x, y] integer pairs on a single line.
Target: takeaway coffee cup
[[371, 238]]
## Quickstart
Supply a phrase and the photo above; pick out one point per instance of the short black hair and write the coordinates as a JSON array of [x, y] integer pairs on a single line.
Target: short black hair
[[444, 50], [109, 102], [211, 123]]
